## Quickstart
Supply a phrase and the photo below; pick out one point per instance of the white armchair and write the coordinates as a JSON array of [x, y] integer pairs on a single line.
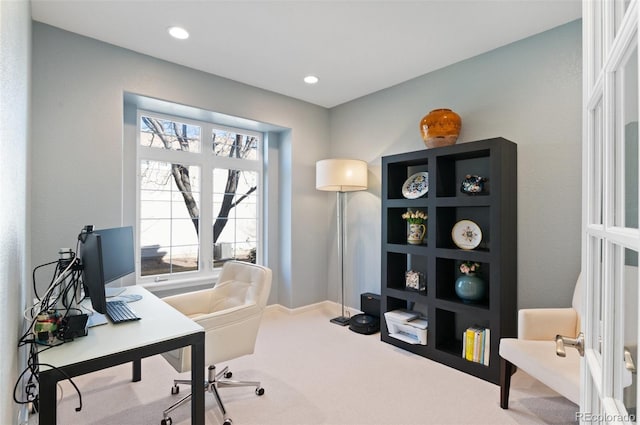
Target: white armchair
[[230, 314], [534, 351]]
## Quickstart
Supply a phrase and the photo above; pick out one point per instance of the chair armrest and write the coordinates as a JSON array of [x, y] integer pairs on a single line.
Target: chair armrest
[[546, 323], [190, 303], [228, 316]]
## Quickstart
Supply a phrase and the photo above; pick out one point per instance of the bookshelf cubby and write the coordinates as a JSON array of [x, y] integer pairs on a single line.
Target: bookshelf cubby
[[494, 210]]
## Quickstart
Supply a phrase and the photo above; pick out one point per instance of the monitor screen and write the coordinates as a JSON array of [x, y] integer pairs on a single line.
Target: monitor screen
[[106, 255], [117, 252]]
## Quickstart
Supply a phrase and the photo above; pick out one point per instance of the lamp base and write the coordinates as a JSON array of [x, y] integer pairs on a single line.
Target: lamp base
[[340, 320]]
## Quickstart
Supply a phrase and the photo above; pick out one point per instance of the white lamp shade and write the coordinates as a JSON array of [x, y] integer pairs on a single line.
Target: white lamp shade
[[341, 175]]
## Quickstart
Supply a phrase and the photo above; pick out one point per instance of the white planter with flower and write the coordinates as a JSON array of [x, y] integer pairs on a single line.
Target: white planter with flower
[[417, 229]]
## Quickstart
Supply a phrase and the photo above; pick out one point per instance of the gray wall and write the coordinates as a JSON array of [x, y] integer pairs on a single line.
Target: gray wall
[[15, 53], [528, 92], [78, 88]]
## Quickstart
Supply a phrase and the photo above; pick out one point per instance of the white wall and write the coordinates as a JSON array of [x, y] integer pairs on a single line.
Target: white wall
[[15, 52], [78, 88], [528, 92]]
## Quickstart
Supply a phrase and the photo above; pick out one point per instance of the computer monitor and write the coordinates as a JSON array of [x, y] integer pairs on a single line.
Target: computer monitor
[[106, 255]]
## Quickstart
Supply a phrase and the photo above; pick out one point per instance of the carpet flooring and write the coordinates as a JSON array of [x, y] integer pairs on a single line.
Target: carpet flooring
[[317, 373]]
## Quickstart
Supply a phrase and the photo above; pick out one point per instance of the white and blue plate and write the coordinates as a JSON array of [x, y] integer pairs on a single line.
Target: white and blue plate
[[416, 186]]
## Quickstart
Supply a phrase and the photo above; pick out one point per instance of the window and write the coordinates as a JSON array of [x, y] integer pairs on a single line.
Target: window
[[199, 196]]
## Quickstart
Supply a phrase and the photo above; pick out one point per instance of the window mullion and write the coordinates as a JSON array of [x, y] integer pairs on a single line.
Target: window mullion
[[206, 209], [155, 154]]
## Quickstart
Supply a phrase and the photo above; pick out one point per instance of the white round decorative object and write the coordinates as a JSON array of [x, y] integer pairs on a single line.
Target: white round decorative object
[[466, 234], [416, 186]]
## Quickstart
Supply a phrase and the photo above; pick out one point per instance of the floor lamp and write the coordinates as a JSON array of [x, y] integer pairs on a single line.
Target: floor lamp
[[341, 176]]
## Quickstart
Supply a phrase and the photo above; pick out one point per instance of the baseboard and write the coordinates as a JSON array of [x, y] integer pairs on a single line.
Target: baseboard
[[329, 307]]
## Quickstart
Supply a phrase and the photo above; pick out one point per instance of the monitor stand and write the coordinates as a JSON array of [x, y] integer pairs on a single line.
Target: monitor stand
[[96, 319], [113, 292]]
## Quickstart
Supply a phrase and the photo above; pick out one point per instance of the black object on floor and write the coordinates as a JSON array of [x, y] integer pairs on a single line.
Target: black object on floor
[[370, 304], [364, 324], [368, 322]]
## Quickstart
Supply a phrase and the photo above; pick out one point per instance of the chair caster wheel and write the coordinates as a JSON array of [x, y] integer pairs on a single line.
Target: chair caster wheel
[[228, 375], [167, 421], [227, 422], [174, 390], [259, 391]]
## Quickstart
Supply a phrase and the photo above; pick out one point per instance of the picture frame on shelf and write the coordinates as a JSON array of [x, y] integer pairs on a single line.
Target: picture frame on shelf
[[415, 281]]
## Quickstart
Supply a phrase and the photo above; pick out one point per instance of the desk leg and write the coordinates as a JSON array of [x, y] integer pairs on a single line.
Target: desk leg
[[197, 378], [137, 370], [47, 413]]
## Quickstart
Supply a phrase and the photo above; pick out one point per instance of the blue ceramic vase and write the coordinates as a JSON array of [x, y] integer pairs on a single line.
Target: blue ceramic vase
[[470, 288]]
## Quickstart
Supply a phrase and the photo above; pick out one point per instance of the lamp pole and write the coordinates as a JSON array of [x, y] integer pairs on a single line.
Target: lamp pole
[[343, 320]]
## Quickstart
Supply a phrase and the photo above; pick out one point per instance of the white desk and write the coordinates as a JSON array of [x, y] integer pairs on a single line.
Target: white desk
[[161, 329]]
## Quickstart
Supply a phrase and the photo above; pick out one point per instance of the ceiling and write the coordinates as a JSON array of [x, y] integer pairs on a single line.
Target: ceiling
[[354, 47]]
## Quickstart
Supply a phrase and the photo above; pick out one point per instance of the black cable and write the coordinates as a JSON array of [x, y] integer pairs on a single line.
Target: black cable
[[33, 366], [60, 298], [34, 374], [70, 289], [65, 284], [33, 276], [82, 236], [15, 388], [68, 378]]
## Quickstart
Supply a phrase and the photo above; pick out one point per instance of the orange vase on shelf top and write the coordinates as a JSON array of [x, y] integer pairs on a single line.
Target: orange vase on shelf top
[[440, 127]]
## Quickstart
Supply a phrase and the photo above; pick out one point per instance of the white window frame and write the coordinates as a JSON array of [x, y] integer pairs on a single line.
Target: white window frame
[[207, 162]]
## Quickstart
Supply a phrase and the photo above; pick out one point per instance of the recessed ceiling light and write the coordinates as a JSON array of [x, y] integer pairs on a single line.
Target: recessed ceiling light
[[179, 33], [310, 79]]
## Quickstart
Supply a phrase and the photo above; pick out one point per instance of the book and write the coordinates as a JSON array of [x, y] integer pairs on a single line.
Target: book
[[478, 349], [487, 345], [470, 337], [464, 344]]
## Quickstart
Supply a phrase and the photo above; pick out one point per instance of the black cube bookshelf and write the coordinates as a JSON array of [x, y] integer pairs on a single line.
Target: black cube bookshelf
[[438, 259]]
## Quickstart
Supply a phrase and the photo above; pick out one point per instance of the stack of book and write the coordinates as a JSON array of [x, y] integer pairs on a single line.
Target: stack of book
[[476, 341]]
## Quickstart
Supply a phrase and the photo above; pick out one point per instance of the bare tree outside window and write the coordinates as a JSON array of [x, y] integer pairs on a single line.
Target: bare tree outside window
[[170, 196]]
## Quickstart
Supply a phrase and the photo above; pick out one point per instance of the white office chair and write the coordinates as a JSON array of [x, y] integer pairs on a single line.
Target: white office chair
[[230, 314]]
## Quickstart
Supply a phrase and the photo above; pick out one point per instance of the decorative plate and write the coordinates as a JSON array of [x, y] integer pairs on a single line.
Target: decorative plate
[[416, 186], [466, 234]]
